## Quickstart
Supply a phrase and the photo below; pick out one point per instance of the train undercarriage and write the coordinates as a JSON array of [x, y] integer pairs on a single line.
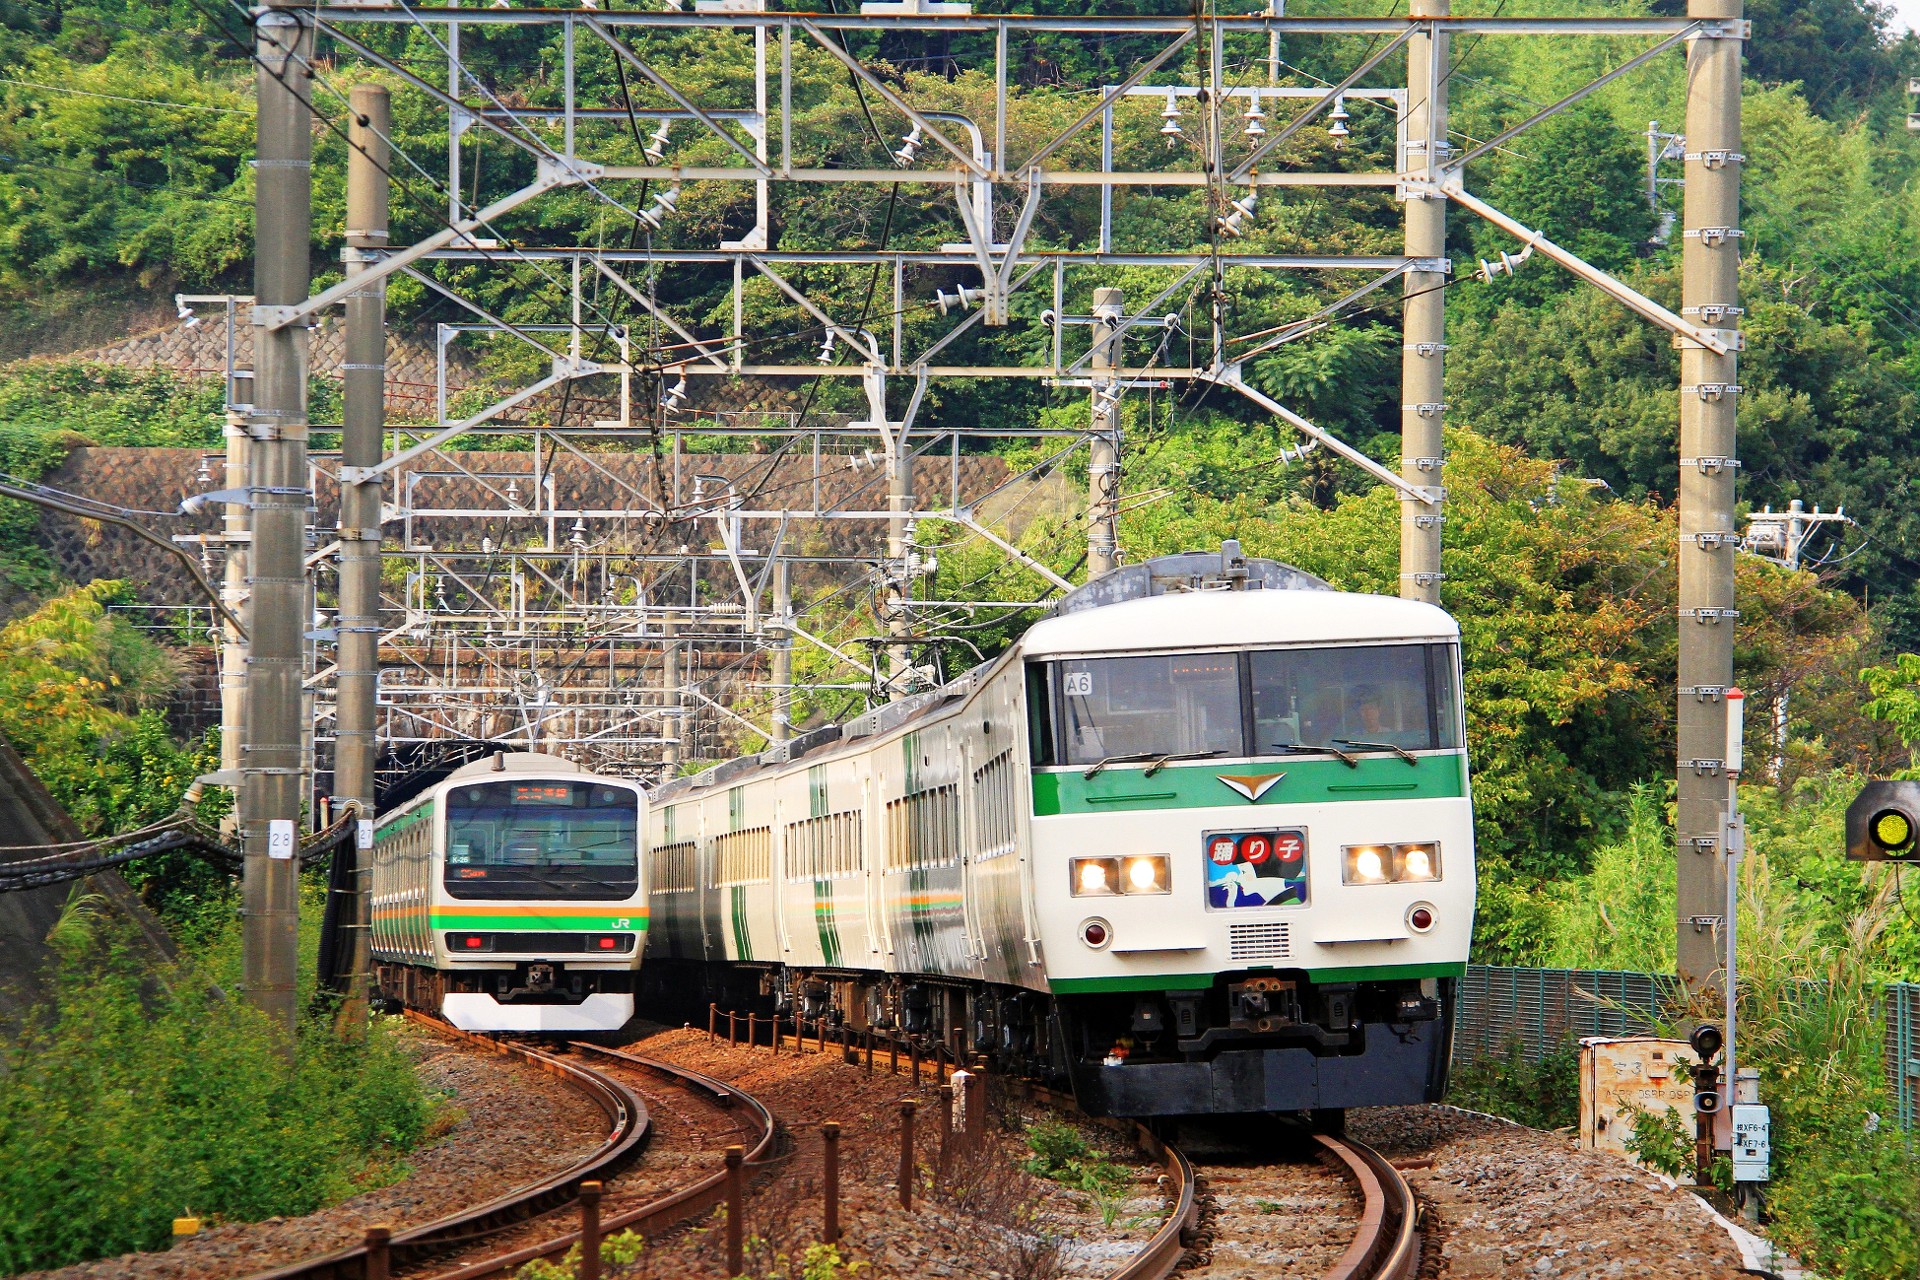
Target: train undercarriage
[[1250, 1042], [529, 996]]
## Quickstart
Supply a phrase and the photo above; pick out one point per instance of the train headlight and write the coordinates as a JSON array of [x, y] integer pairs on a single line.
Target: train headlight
[[1096, 877], [1416, 862], [1365, 864], [1148, 874]]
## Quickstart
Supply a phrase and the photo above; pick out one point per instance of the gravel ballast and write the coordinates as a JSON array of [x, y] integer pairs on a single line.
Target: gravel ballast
[[1505, 1201]]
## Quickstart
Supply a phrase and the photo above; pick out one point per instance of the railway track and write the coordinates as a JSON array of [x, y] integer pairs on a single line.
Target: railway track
[[1246, 1192], [1281, 1202], [1383, 1243], [423, 1250]]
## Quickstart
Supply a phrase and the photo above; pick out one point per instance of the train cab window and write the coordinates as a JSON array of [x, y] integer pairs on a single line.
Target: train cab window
[[1182, 703], [1040, 713], [542, 839], [1380, 695]]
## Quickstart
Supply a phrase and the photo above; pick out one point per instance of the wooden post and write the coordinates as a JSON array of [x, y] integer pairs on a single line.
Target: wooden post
[[736, 1210], [590, 1230], [830, 1138], [913, 1059], [946, 1122], [379, 1262], [869, 1050], [893, 1056], [907, 1107], [733, 1031], [753, 1030], [713, 1012]]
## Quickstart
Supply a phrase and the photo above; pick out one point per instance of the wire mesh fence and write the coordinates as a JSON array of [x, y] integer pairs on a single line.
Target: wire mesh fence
[[1537, 1011]]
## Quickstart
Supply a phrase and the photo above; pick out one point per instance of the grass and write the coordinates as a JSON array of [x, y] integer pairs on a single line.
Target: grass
[[140, 1097]]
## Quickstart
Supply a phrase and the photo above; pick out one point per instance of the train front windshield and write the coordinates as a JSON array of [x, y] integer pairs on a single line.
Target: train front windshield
[[542, 839], [1258, 703]]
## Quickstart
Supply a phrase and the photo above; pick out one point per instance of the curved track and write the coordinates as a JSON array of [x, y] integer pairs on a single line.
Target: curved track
[[629, 1128], [1280, 1201], [1385, 1245]]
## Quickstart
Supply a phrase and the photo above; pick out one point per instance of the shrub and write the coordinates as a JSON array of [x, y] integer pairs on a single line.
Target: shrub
[[141, 1097], [1544, 1094]]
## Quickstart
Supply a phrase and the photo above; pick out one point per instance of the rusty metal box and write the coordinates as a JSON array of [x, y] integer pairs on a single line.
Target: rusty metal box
[[1620, 1076]]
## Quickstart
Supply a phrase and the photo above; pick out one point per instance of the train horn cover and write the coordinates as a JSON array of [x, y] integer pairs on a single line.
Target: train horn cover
[[1883, 821]]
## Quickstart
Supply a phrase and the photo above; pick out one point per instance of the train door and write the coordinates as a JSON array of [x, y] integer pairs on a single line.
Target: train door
[[971, 902]]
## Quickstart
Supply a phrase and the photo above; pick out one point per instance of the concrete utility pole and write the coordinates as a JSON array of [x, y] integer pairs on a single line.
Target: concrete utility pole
[[364, 419], [270, 755], [1103, 465], [782, 651], [1709, 398], [1423, 355]]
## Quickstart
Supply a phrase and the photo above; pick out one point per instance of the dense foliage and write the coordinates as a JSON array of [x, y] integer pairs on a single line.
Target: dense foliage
[[119, 1116]]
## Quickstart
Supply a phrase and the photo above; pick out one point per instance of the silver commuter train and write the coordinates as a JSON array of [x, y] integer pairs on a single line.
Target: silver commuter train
[[1201, 842], [511, 896]]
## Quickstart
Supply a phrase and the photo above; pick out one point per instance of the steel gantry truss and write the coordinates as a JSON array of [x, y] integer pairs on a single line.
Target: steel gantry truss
[[582, 624]]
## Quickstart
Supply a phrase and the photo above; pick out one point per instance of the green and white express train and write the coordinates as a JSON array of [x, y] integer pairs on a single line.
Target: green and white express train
[[1200, 842]]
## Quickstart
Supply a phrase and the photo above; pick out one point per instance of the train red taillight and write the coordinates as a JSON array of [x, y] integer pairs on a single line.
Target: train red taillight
[[608, 943]]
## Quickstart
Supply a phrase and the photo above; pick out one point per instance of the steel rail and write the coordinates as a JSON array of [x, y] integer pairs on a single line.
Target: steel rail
[[688, 1202], [1164, 1252], [1386, 1246], [630, 1127]]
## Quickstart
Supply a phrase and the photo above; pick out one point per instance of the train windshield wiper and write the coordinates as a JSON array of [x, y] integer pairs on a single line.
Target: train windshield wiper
[[1402, 752], [1346, 758], [1130, 758], [1160, 762]]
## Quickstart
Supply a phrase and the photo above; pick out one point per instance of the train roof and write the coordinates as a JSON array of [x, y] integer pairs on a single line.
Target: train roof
[[515, 762], [1233, 619]]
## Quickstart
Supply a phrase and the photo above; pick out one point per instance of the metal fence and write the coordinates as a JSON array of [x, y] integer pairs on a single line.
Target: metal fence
[[1540, 1010], [1902, 1058], [1536, 1011]]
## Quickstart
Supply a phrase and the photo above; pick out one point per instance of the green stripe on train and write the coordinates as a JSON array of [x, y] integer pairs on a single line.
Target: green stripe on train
[[1123, 790], [1201, 981], [404, 821], [742, 939], [544, 924], [823, 921]]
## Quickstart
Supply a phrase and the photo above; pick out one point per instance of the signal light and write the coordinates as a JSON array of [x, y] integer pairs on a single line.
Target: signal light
[[1706, 1041], [1883, 822]]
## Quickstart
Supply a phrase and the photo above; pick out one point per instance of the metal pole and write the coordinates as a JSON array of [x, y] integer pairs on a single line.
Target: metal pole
[[233, 593], [1103, 465], [672, 750], [270, 759], [782, 652], [362, 423], [1423, 361], [899, 504], [1709, 396]]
